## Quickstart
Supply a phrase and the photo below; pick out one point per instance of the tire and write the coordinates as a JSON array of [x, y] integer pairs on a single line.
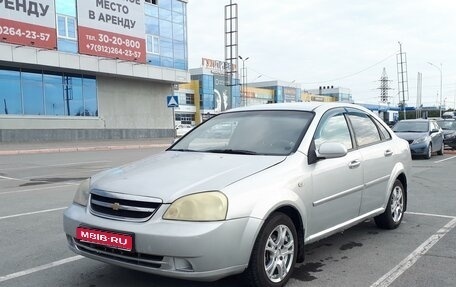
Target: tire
[[394, 212], [273, 252], [441, 150], [428, 152]]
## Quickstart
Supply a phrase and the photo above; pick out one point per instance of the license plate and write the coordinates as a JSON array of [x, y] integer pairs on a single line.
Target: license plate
[[105, 238]]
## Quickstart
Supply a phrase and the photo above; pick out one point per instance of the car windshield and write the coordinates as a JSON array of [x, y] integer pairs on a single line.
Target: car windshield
[[447, 125], [248, 132], [411, 127]]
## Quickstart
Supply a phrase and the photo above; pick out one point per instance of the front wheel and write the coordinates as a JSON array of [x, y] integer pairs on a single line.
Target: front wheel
[[440, 152], [428, 152], [394, 211], [274, 253]]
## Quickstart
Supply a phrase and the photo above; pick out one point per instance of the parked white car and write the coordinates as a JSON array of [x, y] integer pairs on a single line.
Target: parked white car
[[248, 202], [183, 129]]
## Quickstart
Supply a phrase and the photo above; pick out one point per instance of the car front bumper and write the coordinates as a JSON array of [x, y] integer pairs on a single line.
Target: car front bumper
[[205, 251], [451, 142], [419, 149]]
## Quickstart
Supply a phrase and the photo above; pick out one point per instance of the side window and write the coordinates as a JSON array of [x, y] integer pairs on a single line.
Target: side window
[[384, 132], [365, 129], [333, 129], [435, 126]]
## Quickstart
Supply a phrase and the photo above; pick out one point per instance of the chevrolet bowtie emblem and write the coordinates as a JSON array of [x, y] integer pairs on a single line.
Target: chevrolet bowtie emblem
[[115, 206]]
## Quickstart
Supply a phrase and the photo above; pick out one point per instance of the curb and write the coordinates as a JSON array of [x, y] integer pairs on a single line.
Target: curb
[[79, 149]]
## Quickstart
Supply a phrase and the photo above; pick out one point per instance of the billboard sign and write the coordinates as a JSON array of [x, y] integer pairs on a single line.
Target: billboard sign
[[28, 23], [222, 94], [217, 67], [290, 95], [112, 28]]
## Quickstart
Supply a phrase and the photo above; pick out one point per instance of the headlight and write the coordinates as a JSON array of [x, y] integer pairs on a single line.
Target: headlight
[[82, 194], [420, 140], [205, 206]]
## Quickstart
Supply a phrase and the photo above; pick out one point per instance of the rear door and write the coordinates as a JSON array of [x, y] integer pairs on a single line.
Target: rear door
[[378, 156]]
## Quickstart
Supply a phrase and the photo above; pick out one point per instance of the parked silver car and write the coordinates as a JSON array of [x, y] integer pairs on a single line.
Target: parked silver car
[[245, 201], [424, 136]]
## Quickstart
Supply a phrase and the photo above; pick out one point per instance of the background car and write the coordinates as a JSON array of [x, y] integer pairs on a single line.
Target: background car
[[182, 129], [449, 132], [424, 136], [210, 206], [449, 115]]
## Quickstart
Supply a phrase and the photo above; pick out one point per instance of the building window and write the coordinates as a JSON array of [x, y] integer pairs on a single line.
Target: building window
[[186, 99], [190, 99], [66, 7], [31, 92], [154, 2], [66, 27], [153, 44], [184, 118]]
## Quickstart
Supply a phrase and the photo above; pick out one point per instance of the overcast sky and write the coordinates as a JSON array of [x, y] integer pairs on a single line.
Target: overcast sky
[[341, 43]]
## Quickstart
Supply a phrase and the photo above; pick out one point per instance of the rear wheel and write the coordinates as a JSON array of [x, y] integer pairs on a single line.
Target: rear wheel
[[394, 212], [274, 253]]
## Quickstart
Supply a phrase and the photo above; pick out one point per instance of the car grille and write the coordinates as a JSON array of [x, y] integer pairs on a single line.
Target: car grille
[[122, 207], [152, 261]]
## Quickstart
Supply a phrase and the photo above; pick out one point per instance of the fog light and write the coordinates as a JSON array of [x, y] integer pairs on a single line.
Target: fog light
[[182, 265]]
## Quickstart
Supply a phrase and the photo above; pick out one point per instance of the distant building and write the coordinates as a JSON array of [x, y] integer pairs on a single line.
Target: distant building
[[208, 93], [339, 94], [306, 96], [283, 92]]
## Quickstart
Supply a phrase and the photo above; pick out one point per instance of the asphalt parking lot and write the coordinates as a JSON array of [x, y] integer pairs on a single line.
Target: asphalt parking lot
[[36, 188]]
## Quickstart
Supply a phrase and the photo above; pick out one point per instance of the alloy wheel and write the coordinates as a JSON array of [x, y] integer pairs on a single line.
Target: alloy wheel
[[397, 204], [278, 253]]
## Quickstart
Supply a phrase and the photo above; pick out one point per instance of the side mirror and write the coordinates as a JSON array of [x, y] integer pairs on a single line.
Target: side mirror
[[331, 150], [434, 131]]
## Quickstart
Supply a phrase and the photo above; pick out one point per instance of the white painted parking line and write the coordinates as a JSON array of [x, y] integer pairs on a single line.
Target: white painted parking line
[[431, 214], [39, 268], [10, 178], [38, 188], [31, 213], [442, 160], [409, 261], [56, 165]]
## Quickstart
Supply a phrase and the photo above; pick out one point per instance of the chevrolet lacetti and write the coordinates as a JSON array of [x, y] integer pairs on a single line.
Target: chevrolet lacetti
[[244, 192]]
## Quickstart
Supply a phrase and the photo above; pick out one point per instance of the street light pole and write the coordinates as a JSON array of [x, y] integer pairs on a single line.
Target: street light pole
[[244, 79], [440, 70]]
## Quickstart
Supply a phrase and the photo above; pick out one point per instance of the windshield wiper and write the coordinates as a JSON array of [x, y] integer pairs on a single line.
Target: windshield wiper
[[231, 151], [410, 131], [182, 149]]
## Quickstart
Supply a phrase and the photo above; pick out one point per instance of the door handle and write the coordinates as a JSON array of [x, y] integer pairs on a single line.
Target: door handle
[[354, 164], [388, 152]]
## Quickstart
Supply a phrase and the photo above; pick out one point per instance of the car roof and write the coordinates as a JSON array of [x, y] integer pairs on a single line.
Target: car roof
[[301, 106], [417, 120]]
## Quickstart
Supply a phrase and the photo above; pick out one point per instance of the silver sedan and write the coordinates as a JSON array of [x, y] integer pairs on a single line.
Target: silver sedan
[[245, 200]]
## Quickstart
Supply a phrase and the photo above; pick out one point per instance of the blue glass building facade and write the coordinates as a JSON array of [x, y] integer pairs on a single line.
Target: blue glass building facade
[[61, 87], [40, 93]]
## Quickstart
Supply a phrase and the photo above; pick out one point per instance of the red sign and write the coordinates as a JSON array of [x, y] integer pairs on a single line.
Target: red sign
[[105, 238], [112, 29], [111, 45], [27, 34]]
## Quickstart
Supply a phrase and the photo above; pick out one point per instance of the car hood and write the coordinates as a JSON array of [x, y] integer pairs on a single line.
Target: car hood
[[170, 175], [449, 132], [411, 136]]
